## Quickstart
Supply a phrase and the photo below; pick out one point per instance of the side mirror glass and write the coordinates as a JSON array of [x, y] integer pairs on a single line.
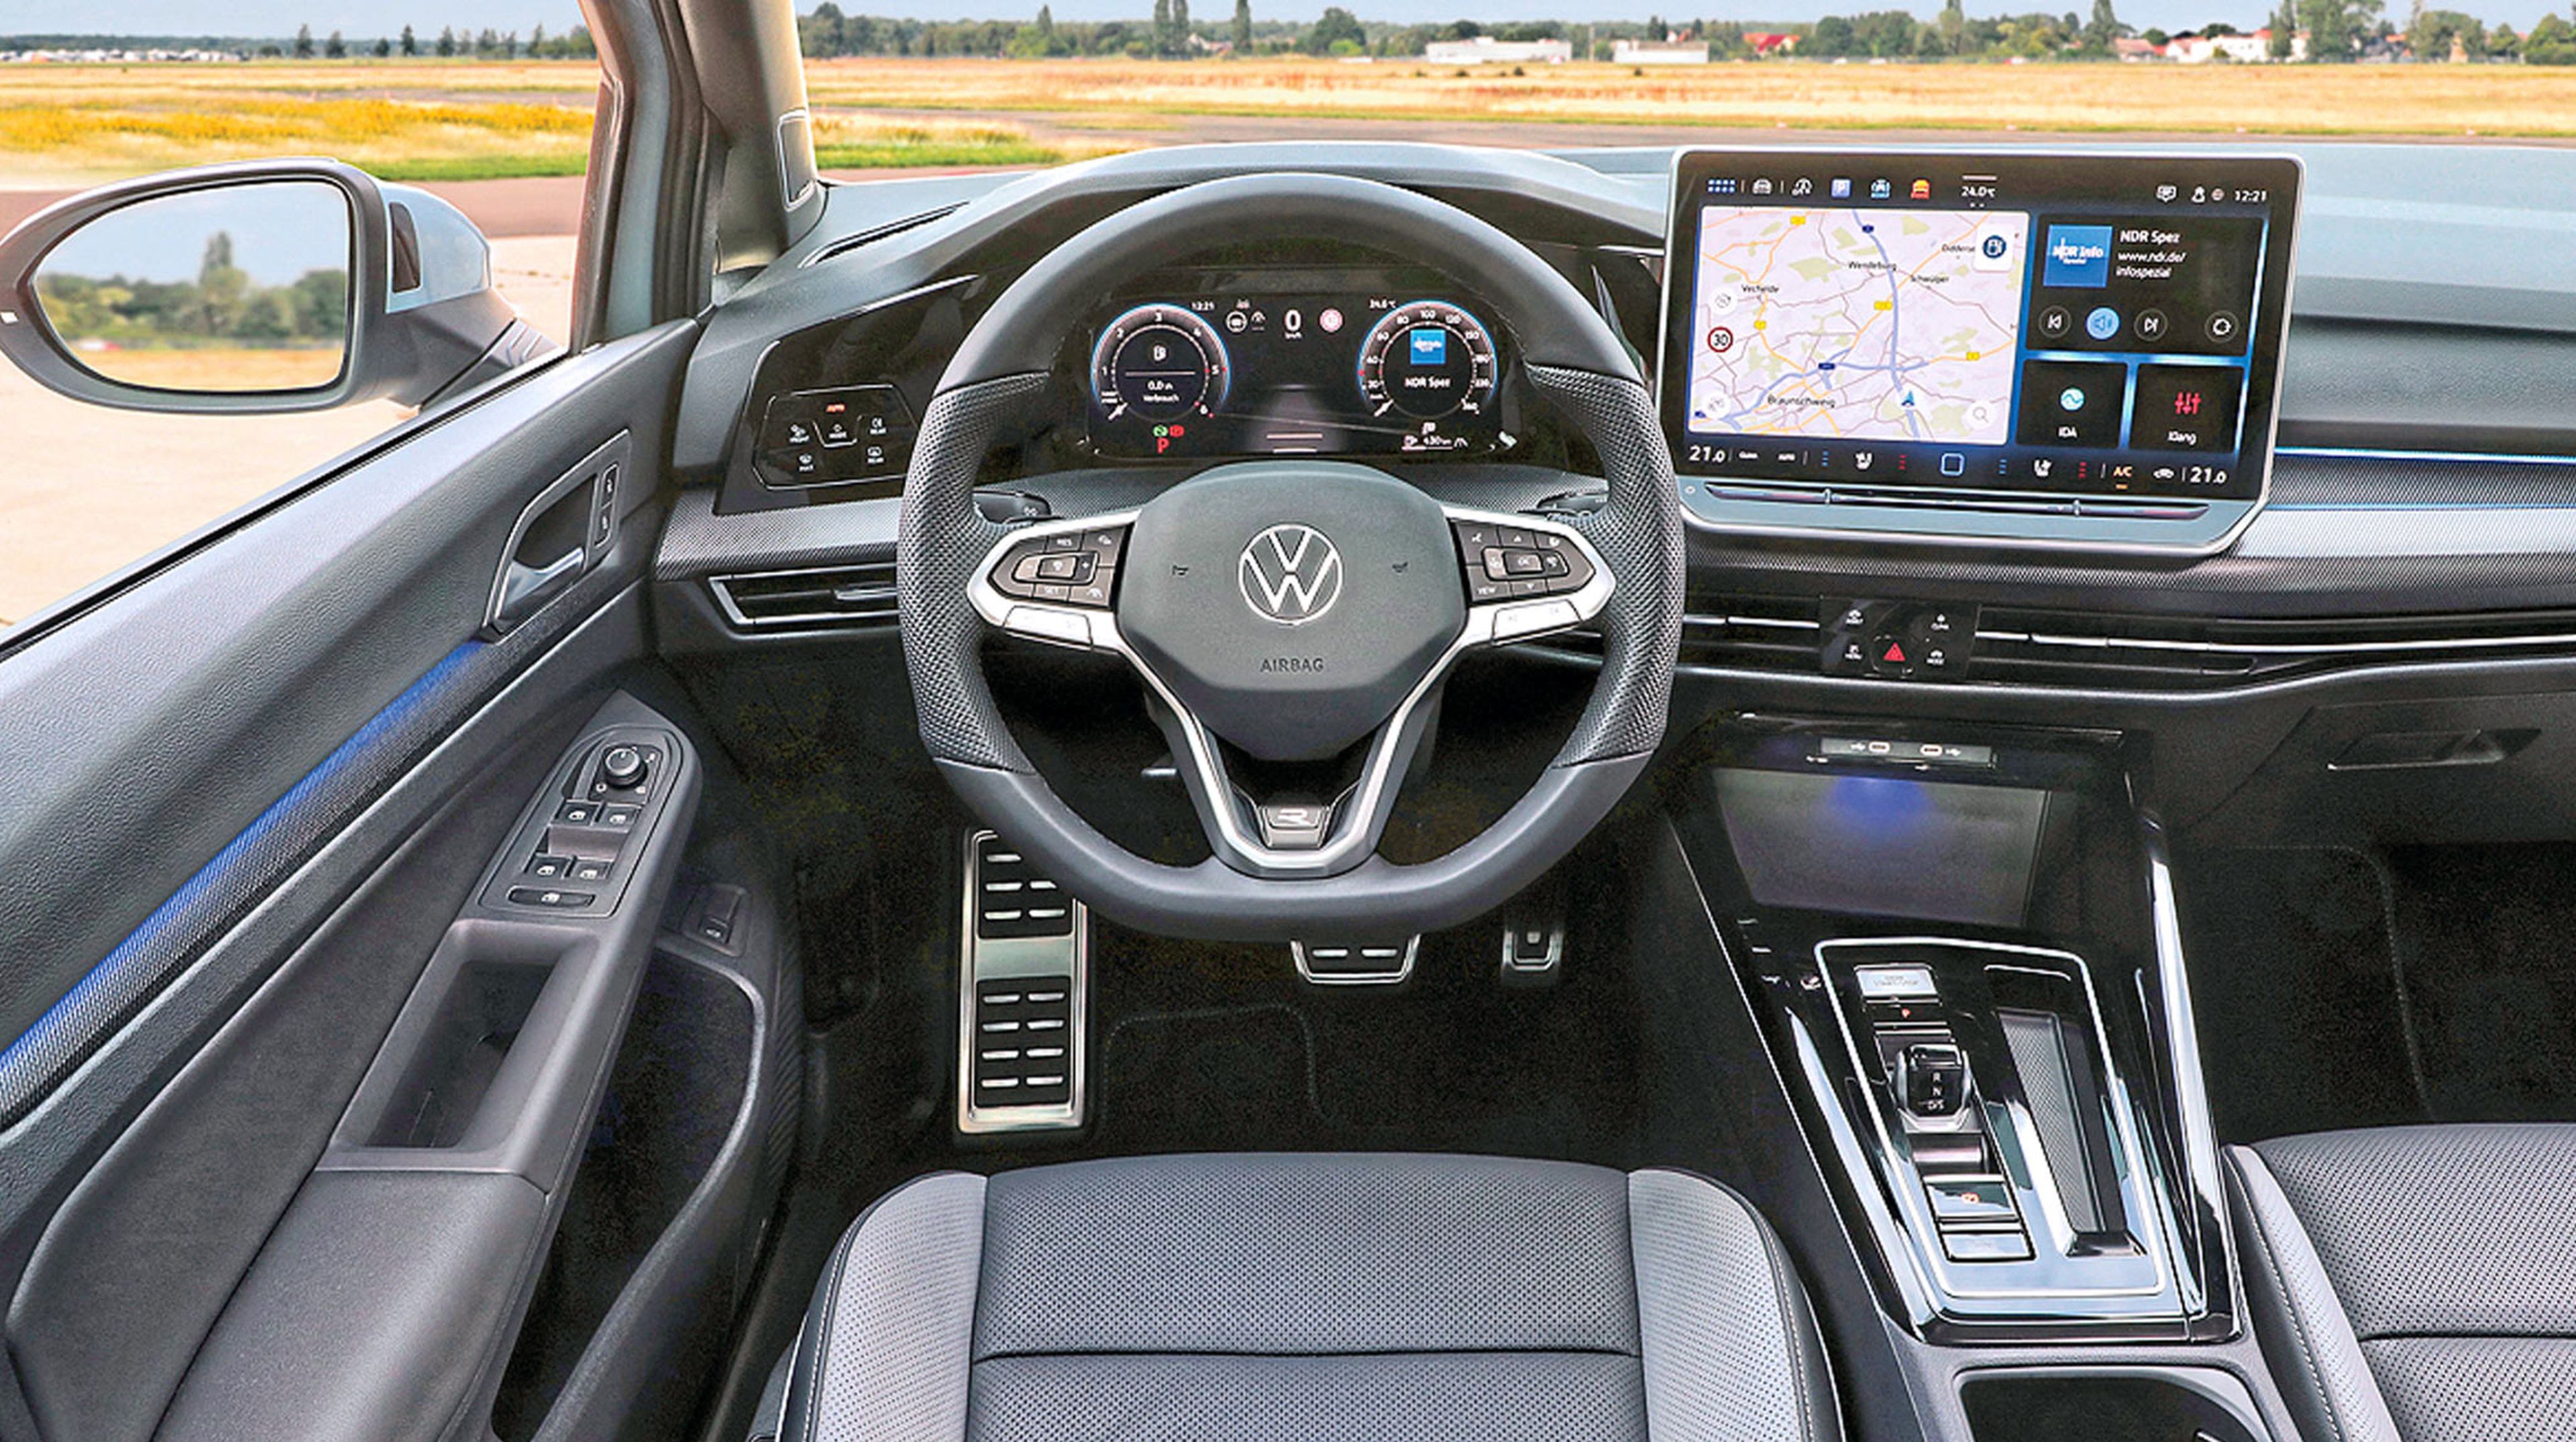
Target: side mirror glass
[[256, 287], [239, 289]]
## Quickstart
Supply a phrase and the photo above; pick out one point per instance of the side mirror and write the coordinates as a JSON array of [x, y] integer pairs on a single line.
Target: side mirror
[[259, 287]]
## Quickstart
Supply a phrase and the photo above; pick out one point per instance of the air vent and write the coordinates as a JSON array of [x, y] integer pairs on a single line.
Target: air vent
[[833, 598], [1752, 633], [2017, 646], [1747, 633], [2105, 651]]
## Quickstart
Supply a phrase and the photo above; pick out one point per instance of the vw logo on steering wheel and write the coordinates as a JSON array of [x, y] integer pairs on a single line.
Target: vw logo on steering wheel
[[1291, 574]]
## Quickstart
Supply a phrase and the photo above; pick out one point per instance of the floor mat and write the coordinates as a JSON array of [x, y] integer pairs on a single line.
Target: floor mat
[[1173, 1081], [2489, 951], [2303, 1025]]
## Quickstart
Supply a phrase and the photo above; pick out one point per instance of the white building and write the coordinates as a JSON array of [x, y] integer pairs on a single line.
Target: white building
[[2254, 49], [1486, 50], [1659, 52]]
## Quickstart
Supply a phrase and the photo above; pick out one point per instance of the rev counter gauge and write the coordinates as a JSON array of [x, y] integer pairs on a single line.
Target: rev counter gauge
[[1161, 363], [1427, 360]]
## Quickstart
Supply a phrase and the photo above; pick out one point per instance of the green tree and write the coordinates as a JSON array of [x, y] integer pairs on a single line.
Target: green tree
[[1832, 35], [2551, 42], [1953, 27], [2104, 28], [1335, 28], [1242, 33], [335, 48], [2445, 35], [1180, 27], [2284, 25], [2336, 27], [410, 44], [303, 42], [384, 47], [447, 44]]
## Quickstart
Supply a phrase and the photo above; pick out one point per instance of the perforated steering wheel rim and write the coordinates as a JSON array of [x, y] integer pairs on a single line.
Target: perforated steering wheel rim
[[948, 550]]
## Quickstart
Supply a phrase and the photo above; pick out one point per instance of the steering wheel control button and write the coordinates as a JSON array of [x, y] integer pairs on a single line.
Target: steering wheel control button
[[1049, 623], [1294, 825], [1533, 618], [1507, 562]]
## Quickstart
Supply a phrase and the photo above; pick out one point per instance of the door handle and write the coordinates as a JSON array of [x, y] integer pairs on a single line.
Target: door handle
[[557, 537], [525, 588]]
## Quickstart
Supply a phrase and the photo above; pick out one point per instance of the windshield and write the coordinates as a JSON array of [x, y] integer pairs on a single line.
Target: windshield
[[490, 108]]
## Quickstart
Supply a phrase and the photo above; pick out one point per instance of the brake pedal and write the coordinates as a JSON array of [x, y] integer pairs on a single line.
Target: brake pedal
[[1023, 1017], [1335, 963]]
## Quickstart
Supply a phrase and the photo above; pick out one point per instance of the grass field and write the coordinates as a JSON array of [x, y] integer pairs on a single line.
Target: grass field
[[67, 124], [2444, 100], [63, 124]]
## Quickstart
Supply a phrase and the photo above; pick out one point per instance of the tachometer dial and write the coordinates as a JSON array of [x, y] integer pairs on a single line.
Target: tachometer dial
[[1161, 362], [1426, 360]]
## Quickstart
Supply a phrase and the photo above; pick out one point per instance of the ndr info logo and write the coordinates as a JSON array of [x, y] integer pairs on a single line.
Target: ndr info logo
[[2079, 255]]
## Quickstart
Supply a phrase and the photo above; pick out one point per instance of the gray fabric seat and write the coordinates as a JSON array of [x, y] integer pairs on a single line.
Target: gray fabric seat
[[1372, 1298], [2416, 1283]]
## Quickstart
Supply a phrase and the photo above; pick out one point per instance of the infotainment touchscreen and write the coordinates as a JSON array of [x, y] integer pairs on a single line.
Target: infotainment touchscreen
[[1887, 323]]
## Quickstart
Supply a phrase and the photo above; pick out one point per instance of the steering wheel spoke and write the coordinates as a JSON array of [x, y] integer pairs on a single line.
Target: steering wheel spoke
[[1526, 576], [1056, 582]]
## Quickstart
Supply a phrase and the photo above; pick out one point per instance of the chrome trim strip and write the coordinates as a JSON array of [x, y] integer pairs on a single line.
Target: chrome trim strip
[[2370, 453], [1355, 817], [2254, 648], [722, 587], [2148, 1215], [2182, 1041]]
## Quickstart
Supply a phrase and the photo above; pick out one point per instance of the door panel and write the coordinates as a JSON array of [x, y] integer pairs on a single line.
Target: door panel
[[203, 770], [147, 735]]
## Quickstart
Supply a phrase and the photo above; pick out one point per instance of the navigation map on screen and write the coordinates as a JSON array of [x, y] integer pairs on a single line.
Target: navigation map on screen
[[1858, 324]]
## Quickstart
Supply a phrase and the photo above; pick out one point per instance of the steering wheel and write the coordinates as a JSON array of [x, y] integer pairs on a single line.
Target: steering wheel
[[1288, 611]]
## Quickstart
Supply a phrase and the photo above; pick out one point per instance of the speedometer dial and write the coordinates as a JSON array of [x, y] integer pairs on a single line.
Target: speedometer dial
[[1161, 362], [1427, 360]]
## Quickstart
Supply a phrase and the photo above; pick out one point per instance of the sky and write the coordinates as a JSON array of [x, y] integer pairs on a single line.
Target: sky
[[384, 17]]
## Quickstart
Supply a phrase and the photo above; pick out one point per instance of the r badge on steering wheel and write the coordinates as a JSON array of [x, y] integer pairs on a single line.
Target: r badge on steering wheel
[[1291, 574]]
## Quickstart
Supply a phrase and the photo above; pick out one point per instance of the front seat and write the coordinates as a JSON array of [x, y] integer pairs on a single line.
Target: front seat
[[2416, 1283], [1310, 1298]]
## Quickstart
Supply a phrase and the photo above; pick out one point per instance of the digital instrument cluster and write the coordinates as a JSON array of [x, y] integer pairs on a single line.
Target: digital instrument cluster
[[1891, 323], [1253, 363]]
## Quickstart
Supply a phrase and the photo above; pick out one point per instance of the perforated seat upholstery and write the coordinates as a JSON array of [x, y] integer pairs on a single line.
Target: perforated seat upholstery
[[2416, 1283], [1326, 1298]]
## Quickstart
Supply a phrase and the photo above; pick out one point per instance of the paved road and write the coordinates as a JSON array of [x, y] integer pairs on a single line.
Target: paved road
[[86, 490]]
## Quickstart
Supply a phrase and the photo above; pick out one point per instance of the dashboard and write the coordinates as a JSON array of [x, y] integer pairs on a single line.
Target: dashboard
[[2421, 382], [1226, 362]]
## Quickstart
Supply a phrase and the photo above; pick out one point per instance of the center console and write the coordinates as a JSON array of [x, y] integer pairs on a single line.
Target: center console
[[1961, 950]]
